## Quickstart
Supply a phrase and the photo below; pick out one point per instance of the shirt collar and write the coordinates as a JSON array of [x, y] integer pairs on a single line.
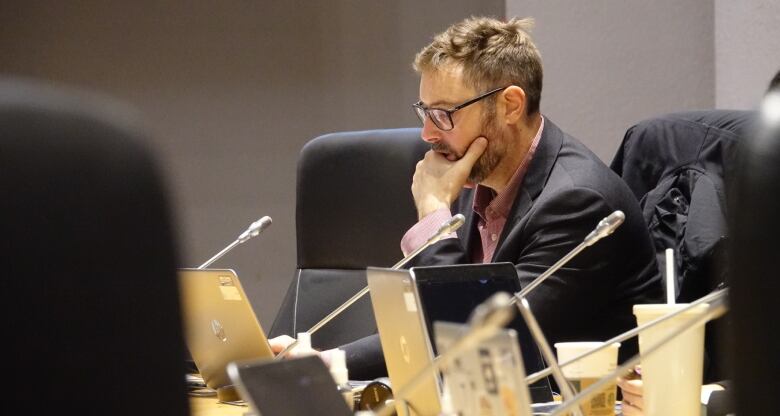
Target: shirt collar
[[491, 205]]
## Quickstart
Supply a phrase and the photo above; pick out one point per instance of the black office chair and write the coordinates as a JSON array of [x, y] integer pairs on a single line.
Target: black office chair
[[677, 166], [754, 248], [89, 291], [354, 204]]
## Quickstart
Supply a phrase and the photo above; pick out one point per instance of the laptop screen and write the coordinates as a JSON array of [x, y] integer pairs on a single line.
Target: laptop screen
[[295, 387], [450, 294]]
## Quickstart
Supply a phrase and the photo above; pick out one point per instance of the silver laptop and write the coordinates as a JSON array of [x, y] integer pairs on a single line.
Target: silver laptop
[[406, 303], [404, 338], [220, 325]]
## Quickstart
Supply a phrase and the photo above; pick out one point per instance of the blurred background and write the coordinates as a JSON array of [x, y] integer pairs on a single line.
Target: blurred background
[[232, 90]]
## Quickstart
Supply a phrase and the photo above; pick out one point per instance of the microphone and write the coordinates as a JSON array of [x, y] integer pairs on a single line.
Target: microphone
[[450, 226], [604, 228], [447, 227], [254, 229], [488, 317]]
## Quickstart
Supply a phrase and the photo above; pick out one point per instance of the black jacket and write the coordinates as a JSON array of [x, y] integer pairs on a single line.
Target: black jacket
[[678, 166]]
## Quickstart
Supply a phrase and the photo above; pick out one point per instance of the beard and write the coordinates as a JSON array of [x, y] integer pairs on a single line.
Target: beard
[[490, 158]]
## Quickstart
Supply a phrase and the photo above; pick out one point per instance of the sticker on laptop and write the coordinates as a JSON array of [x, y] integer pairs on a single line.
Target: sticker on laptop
[[411, 304], [228, 288]]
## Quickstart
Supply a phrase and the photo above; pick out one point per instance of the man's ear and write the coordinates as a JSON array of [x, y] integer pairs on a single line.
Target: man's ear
[[515, 102]]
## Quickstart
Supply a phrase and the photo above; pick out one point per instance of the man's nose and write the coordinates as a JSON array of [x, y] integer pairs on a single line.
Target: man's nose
[[430, 133]]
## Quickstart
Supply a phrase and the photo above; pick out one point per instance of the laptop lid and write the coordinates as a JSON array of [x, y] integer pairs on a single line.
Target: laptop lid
[[295, 387], [405, 342], [450, 294], [220, 324], [487, 380]]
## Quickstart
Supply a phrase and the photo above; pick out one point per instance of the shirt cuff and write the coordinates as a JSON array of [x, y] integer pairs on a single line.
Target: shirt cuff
[[424, 229]]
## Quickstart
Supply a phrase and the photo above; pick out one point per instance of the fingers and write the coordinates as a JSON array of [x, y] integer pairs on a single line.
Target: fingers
[[280, 343], [631, 386], [633, 399], [475, 150], [631, 410]]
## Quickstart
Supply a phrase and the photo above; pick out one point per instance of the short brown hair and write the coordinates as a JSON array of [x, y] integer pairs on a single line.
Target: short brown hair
[[492, 54]]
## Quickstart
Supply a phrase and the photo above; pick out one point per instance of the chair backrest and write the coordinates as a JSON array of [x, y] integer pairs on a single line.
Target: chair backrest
[[89, 292], [354, 204], [677, 165]]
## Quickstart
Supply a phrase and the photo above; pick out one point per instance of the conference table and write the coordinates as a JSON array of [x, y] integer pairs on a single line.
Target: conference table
[[210, 406]]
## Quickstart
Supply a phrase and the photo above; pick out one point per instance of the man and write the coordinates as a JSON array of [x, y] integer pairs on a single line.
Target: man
[[530, 193]]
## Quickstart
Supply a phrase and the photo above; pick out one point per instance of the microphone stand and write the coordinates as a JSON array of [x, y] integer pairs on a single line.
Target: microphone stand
[[604, 228], [448, 227], [714, 296], [254, 229], [714, 311], [541, 341]]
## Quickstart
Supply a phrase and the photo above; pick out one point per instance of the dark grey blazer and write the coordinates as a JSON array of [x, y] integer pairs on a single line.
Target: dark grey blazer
[[566, 192]]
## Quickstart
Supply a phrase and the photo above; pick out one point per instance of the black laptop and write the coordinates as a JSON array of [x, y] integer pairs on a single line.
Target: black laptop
[[290, 387], [450, 294]]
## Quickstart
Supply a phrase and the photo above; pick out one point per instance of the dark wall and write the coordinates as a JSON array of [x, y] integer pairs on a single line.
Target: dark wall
[[232, 90]]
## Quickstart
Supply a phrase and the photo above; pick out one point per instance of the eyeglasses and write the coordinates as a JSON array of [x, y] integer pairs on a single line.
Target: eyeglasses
[[443, 118]]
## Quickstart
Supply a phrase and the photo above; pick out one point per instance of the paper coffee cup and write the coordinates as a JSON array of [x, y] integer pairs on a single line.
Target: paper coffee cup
[[672, 375], [589, 370]]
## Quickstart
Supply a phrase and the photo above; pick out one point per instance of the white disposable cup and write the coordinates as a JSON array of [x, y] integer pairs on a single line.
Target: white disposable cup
[[589, 370], [672, 375]]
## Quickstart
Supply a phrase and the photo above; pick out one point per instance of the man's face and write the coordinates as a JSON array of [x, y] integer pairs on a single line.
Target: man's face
[[445, 89]]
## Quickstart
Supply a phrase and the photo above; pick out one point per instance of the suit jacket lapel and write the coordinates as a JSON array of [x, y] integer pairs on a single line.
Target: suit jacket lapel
[[535, 178]]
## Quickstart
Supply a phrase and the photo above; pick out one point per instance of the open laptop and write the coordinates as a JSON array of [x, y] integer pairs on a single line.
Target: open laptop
[[220, 325], [406, 303], [291, 387]]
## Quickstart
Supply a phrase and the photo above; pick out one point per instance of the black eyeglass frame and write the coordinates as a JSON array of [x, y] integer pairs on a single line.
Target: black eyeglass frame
[[423, 112]]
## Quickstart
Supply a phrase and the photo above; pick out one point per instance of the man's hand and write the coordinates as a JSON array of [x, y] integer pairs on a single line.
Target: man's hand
[[438, 181], [633, 396], [281, 342], [633, 393]]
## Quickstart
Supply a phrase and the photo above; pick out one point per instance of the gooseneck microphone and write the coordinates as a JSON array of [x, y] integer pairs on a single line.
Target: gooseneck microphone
[[446, 228], [254, 229], [487, 318], [604, 228]]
